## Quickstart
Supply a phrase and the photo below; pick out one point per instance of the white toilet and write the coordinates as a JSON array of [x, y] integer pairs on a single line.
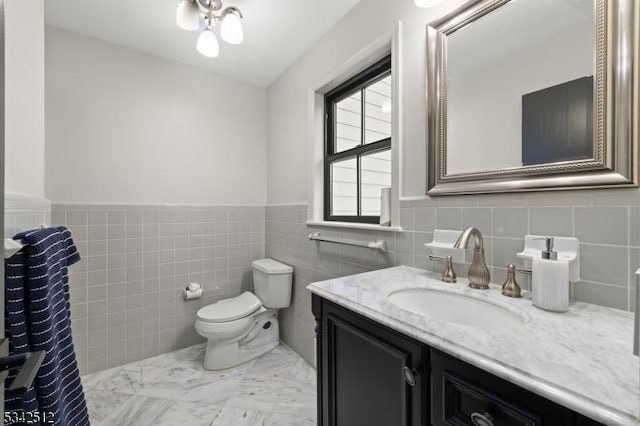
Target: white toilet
[[244, 327]]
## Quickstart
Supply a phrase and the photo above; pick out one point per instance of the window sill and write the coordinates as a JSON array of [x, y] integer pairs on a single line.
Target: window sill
[[351, 225]]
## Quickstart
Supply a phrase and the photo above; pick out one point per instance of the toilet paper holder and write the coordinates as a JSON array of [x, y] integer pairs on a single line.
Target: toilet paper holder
[[192, 291]]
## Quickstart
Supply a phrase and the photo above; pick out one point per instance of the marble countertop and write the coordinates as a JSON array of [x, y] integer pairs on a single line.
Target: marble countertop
[[581, 359]]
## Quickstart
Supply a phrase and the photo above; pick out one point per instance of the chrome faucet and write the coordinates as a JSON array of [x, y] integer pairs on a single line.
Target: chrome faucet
[[478, 274]]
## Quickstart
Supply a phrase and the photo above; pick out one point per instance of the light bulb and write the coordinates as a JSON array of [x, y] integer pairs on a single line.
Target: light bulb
[[208, 44], [427, 3], [188, 15], [231, 29]]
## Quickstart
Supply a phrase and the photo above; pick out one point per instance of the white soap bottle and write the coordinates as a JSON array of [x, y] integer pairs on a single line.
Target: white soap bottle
[[550, 280]]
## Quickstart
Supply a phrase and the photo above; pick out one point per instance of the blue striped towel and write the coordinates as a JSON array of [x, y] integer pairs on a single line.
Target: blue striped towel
[[37, 317]]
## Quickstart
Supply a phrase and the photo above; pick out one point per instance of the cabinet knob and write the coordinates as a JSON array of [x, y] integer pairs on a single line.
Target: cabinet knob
[[408, 376], [479, 419]]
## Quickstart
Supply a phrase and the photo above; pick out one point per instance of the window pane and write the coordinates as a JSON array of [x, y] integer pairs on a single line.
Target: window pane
[[378, 111], [344, 188], [376, 174], [349, 122]]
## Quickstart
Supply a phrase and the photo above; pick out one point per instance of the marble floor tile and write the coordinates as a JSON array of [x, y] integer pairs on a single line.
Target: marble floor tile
[[303, 372], [231, 416], [101, 403], [129, 378], [256, 393], [279, 419], [138, 411], [276, 364], [214, 388], [188, 414], [172, 382], [298, 398], [277, 388]]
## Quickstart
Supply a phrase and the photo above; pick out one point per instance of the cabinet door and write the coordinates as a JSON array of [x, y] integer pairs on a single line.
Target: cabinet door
[[371, 375], [367, 382]]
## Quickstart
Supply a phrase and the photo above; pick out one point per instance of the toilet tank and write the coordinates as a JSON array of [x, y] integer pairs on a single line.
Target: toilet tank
[[272, 282]]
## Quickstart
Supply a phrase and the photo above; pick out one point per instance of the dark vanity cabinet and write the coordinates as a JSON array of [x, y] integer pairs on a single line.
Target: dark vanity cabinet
[[370, 375], [461, 393]]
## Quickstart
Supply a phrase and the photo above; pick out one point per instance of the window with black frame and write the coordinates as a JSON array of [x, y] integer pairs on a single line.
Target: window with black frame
[[358, 145]]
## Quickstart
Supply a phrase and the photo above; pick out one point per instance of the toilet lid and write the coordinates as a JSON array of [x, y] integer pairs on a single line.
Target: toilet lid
[[230, 309]]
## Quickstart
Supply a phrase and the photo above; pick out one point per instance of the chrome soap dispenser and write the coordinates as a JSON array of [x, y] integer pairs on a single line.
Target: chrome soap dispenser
[[550, 280]]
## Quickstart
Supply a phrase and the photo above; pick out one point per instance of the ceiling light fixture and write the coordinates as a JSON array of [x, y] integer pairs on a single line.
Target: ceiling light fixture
[[192, 15], [208, 44]]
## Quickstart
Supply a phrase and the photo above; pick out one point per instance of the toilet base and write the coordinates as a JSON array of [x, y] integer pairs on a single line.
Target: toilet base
[[226, 354]]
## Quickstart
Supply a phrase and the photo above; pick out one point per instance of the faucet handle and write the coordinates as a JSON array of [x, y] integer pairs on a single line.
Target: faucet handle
[[510, 288], [448, 275]]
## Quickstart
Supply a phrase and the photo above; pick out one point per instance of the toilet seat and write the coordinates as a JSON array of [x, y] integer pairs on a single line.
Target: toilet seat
[[230, 309], [242, 328]]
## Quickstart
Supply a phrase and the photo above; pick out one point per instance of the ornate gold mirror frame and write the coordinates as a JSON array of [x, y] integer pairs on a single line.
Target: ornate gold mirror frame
[[616, 110]]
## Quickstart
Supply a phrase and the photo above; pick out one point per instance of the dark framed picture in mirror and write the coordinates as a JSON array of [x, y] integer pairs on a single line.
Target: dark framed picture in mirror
[[557, 123]]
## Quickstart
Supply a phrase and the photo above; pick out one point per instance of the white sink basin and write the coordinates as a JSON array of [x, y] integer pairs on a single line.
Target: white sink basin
[[458, 308]]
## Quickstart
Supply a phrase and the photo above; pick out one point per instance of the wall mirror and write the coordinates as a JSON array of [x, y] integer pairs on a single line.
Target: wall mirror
[[533, 94]]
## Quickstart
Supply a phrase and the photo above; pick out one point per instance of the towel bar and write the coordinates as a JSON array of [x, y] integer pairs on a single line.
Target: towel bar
[[28, 364], [375, 245], [12, 246]]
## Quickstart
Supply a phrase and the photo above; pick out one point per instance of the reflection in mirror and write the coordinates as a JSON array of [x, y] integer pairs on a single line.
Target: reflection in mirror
[[520, 87]]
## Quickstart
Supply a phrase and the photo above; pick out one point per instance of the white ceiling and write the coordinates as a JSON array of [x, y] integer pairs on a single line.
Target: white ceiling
[[277, 32]]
